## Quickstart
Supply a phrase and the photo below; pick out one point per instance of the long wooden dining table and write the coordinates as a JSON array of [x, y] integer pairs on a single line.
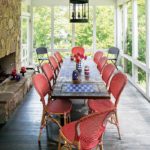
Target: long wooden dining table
[[89, 87]]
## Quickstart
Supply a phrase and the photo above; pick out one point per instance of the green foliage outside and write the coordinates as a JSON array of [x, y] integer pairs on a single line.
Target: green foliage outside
[[141, 30], [63, 29], [142, 78], [42, 24], [104, 27], [84, 32], [128, 44], [141, 40]]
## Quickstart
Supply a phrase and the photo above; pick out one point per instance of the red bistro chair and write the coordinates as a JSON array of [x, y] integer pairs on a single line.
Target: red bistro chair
[[85, 133], [59, 58], [107, 73], [101, 63], [61, 107], [78, 49], [49, 73], [116, 87], [97, 56], [54, 65]]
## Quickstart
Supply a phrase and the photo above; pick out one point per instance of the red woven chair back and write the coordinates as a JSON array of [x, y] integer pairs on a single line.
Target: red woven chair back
[[53, 62], [41, 85], [101, 63], [97, 56], [49, 73], [90, 129], [107, 72], [117, 85], [78, 49], [58, 57]]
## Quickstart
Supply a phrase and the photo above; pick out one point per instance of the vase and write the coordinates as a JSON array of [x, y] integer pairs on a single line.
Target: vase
[[75, 77], [79, 67]]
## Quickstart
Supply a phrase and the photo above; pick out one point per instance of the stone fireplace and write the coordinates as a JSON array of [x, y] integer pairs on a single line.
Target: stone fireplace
[[11, 91], [10, 36], [7, 63]]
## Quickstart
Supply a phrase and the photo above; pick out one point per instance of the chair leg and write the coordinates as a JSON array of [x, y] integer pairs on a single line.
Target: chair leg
[[43, 123], [59, 144], [101, 146], [65, 119], [69, 118], [85, 101], [117, 124]]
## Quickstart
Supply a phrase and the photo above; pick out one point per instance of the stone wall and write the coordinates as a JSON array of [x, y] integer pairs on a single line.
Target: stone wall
[[10, 12]]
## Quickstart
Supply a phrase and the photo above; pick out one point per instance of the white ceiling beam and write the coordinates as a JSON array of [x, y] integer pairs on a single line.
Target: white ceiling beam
[[66, 2]]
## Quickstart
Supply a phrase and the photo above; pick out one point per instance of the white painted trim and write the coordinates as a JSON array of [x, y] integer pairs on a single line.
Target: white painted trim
[[124, 26], [148, 46], [139, 88], [52, 30], [66, 2], [31, 37], [136, 62], [134, 40], [134, 30], [115, 23], [73, 35], [94, 29]]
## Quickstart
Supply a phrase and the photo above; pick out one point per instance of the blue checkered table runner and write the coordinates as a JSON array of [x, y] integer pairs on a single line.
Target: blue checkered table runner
[[74, 88]]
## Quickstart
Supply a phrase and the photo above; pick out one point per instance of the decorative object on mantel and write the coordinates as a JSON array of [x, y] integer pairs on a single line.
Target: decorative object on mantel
[[18, 77], [13, 73], [79, 11], [23, 71]]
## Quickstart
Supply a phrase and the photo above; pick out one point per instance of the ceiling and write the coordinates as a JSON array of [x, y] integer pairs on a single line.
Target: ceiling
[[66, 2]]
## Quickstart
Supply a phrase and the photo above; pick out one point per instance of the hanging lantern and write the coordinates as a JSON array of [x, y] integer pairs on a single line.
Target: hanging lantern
[[79, 11]]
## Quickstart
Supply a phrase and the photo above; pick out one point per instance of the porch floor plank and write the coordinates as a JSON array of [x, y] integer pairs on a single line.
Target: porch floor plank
[[21, 131]]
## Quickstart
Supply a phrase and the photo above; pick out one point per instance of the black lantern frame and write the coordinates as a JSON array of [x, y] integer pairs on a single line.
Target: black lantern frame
[[79, 11]]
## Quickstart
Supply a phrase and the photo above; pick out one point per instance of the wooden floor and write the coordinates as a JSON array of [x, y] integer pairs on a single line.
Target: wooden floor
[[21, 132]]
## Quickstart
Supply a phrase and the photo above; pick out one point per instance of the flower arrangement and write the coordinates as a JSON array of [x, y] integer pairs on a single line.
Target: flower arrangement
[[78, 57]]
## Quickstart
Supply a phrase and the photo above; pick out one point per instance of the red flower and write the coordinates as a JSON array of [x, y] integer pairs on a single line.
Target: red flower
[[14, 72], [78, 57], [23, 70]]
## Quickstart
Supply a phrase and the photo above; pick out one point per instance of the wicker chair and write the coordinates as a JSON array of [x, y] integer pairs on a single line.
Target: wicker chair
[[102, 62], [97, 56], [42, 56], [116, 87], [54, 65], [85, 133], [107, 73], [59, 58], [60, 107]]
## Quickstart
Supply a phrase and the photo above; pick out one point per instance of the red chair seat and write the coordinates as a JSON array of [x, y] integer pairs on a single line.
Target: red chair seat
[[100, 105], [59, 106], [86, 142]]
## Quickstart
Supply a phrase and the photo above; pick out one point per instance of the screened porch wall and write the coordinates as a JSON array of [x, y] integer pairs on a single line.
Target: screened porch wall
[[134, 41], [127, 23]]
